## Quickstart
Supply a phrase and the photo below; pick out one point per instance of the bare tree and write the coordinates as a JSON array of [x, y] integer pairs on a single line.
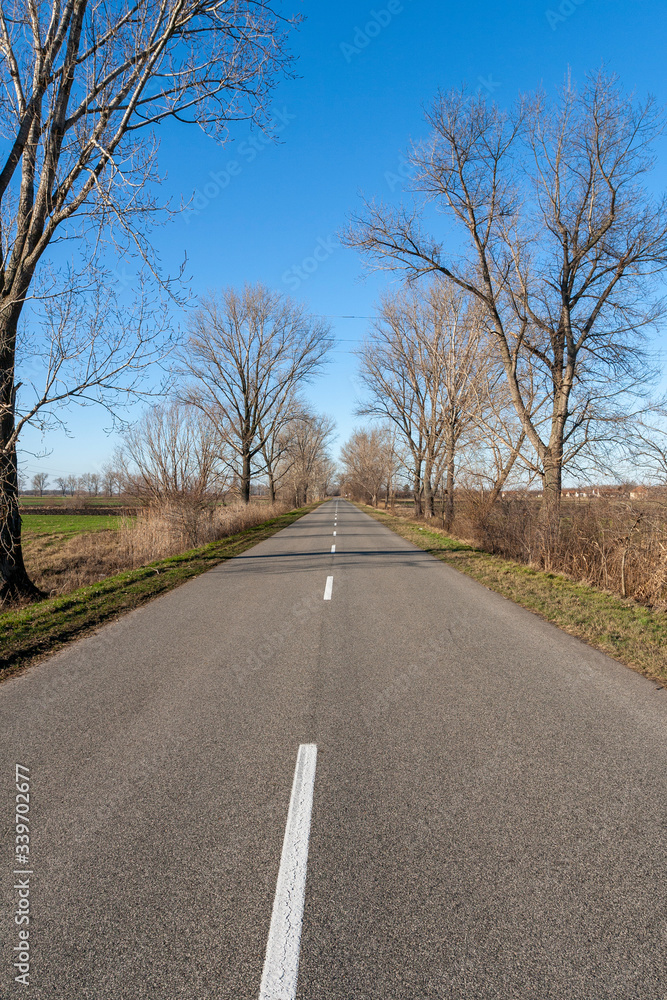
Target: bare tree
[[422, 367], [466, 360], [389, 370], [82, 88], [71, 485], [247, 355], [83, 483], [172, 459], [311, 470], [369, 462], [39, 481], [564, 245], [110, 479], [61, 483]]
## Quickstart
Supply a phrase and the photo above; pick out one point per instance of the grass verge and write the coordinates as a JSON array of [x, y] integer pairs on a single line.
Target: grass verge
[[30, 633], [630, 632]]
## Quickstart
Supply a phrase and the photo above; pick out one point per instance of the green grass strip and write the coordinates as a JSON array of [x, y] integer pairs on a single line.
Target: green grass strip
[[38, 629], [631, 632]]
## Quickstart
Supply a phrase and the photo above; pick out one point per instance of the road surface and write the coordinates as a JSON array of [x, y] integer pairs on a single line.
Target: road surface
[[487, 811]]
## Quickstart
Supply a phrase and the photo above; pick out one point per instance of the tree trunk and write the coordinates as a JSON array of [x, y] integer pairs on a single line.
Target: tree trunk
[[550, 509], [417, 493], [429, 509], [448, 514], [551, 484], [245, 479], [15, 584], [272, 489]]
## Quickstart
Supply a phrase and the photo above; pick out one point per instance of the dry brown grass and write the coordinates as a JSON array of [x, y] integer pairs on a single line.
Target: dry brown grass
[[616, 545], [61, 565]]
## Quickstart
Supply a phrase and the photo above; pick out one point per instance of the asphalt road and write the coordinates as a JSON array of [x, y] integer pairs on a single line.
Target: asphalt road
[[488, 812]]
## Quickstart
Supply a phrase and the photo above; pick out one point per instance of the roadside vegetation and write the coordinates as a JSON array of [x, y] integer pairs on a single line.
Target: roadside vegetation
[[623, 628], [41, 628], [65, 552]]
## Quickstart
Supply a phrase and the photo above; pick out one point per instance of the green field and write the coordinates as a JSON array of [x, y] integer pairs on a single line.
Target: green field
[[62, 526]]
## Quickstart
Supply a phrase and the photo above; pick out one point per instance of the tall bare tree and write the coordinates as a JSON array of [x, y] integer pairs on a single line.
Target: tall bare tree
[[369, 462], [246, 356], [391, 371], [563, 245], [82, 88], [422, 367], [465, 362], [310, 468]]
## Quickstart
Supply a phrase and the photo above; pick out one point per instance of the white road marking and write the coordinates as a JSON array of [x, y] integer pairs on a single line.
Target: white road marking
[[281, 964], [333, 548], [328, 588], [334, 534]]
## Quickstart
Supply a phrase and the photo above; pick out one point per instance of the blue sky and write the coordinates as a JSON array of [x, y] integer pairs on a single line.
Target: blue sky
[[259, 211]]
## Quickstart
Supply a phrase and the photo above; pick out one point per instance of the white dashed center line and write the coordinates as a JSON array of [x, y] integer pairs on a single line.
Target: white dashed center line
[[328, 589], [333, 548], [281, 964], [334, 534]]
